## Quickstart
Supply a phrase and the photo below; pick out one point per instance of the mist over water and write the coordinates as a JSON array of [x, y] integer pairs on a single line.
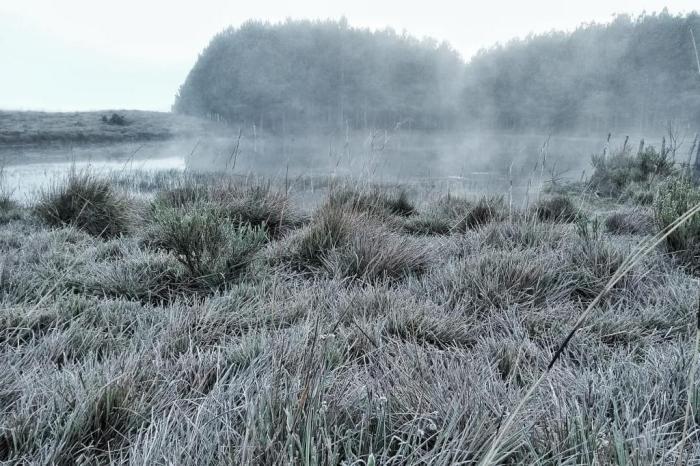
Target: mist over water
[[306, 98], [458, 162]]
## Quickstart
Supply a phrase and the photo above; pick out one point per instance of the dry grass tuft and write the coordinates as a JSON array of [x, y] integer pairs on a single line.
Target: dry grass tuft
[[86, 202]]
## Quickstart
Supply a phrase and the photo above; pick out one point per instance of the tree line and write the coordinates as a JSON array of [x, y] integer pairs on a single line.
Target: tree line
[[631, 74]]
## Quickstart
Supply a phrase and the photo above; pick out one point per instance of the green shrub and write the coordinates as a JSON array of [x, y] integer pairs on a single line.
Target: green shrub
[[556, 209], [257, 206], [213, 249], [613, 174], [86, 202], [674, 199]]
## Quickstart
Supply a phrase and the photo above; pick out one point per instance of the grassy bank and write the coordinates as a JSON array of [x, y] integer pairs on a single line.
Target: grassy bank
[[18, 128], [216, 321]]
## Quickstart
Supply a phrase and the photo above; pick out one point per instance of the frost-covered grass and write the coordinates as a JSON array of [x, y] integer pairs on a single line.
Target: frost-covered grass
[[225, 324]]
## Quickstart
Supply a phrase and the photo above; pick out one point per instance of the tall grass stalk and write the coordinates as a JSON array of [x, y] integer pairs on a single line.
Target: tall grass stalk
[[643, 249], [695, 48]]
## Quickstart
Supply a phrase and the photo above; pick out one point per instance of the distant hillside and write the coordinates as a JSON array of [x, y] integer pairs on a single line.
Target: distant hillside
[[634, 74], [40, 128], [323, 74]]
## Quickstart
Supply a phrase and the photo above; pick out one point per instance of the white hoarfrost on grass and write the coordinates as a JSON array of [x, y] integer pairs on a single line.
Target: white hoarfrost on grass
[[219, 324]]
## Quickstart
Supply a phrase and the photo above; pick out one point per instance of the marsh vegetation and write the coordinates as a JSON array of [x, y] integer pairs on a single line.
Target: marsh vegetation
[[213, 319]]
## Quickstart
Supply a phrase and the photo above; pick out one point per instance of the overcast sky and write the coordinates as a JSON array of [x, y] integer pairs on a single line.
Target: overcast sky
[[95, 54]]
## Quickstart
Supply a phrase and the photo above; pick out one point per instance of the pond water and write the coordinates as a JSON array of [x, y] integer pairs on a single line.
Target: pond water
[[26, 180], [455, 162]]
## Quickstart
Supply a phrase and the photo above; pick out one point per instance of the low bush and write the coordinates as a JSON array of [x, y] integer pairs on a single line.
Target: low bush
[[613, 174], [86, 202], [257, 206], [213, 249], [676, 197]]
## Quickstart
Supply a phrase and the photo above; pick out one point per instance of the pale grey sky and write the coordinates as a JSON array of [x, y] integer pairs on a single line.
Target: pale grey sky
[[95, 54]]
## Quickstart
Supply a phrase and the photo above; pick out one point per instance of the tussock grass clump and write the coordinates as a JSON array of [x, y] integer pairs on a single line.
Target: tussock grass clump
[[676, 197], [428, 224], [453, 207], [452, 214], [6, 202], [486, 210], [184, 193], [639, 193], [86, 202], [441, 217], [307, 249], [213, 249], [144, 276], [524, 235], [373, 201], [500, 279], [258, 206], [352, 245], [630, 222], [374, 254], [593, 263], [556, 209], [9, 209]]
